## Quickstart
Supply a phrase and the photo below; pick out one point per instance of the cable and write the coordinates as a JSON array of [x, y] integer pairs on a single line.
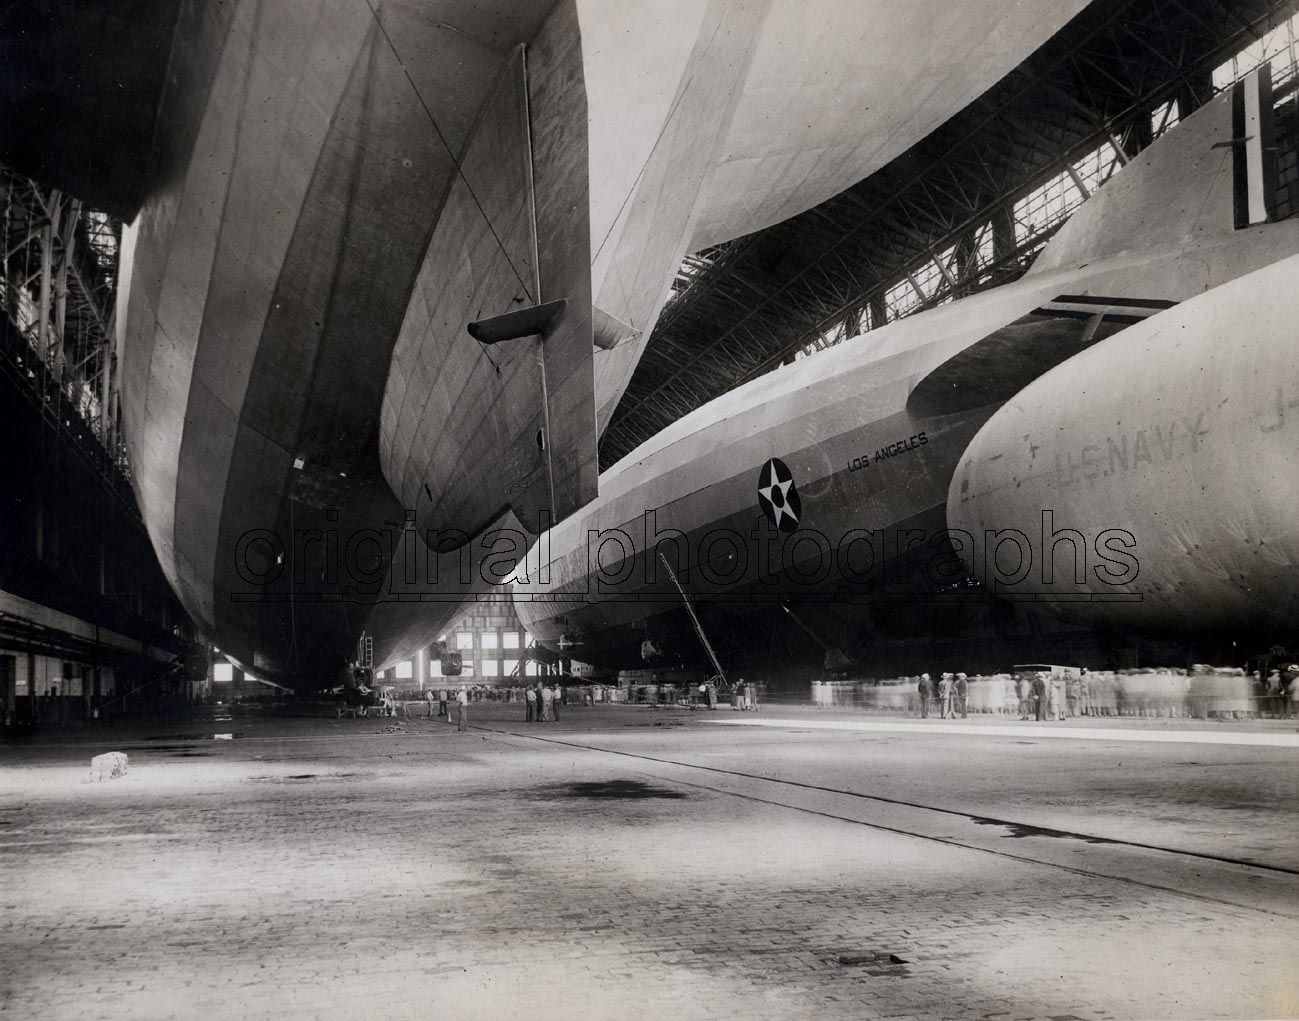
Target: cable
[[455, 162], [293, 617]]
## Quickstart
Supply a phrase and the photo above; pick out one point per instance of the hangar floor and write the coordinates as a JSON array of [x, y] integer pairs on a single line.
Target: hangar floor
[[636, 863]]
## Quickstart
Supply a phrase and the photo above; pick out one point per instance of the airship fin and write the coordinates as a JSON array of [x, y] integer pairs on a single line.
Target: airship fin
[[551, 461], [490, 404], [1210, 175]]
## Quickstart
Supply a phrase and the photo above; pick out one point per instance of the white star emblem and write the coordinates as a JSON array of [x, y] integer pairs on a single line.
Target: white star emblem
[[778, 496]]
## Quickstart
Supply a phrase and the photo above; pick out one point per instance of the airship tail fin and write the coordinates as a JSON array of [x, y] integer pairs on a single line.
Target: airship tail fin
[[1212, 174]]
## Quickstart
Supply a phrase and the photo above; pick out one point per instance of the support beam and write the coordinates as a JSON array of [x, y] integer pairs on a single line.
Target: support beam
[[1078, 182], [48, 229], [878, 311], [1195, 90], [1003, 233], [67, 249], [105, 383], [967, 257]]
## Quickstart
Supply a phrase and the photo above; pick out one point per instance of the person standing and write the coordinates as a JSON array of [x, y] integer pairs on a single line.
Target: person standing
[[945, 696], [547, 704], [925, 689], [530, 697], [963, 695], [1039, 696], [556, 697], [462, 704], [442, 705]]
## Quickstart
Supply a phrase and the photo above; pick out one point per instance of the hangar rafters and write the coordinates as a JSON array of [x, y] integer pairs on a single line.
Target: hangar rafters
[[1099, 80]]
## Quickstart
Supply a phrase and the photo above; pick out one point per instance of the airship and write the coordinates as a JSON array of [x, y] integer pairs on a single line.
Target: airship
[[1099, 456], [325, 195]]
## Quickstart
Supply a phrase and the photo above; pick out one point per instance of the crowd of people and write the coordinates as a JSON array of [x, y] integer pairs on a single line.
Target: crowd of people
[[1202, 692], [1037, 695], [543, 702], [445, 700], [951, 695]]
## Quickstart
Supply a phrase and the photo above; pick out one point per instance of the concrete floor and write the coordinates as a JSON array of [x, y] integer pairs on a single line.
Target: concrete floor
[[637, 863]]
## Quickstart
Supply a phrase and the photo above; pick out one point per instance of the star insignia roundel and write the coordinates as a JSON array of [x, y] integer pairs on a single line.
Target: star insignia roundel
[[778, 496]]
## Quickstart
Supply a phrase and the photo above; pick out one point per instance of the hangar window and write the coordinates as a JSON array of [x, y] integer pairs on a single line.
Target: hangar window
[[490, 668], [509, 666], [1048, 205], [1281, 46], [464, 640], [1098, 166], [488, 639], [404, 671], [967, 261], [901, 299], [511, 639], [1044, 207], [1164, 117], [223, 672]]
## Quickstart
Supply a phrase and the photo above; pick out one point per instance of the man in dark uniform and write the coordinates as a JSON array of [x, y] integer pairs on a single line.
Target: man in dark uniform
[[926, 691], [962, 695], [1039, 695]]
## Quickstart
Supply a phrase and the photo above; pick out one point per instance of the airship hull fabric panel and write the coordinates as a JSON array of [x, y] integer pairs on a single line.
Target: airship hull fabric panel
[[297, 178], [635, 257], [463, 427], [822, 108]]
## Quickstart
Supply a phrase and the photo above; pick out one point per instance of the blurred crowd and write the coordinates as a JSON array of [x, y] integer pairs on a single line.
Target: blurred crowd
[[1203, 692]]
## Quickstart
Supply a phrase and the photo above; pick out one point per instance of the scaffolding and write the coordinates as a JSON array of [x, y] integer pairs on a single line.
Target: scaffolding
[[58, 285]]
